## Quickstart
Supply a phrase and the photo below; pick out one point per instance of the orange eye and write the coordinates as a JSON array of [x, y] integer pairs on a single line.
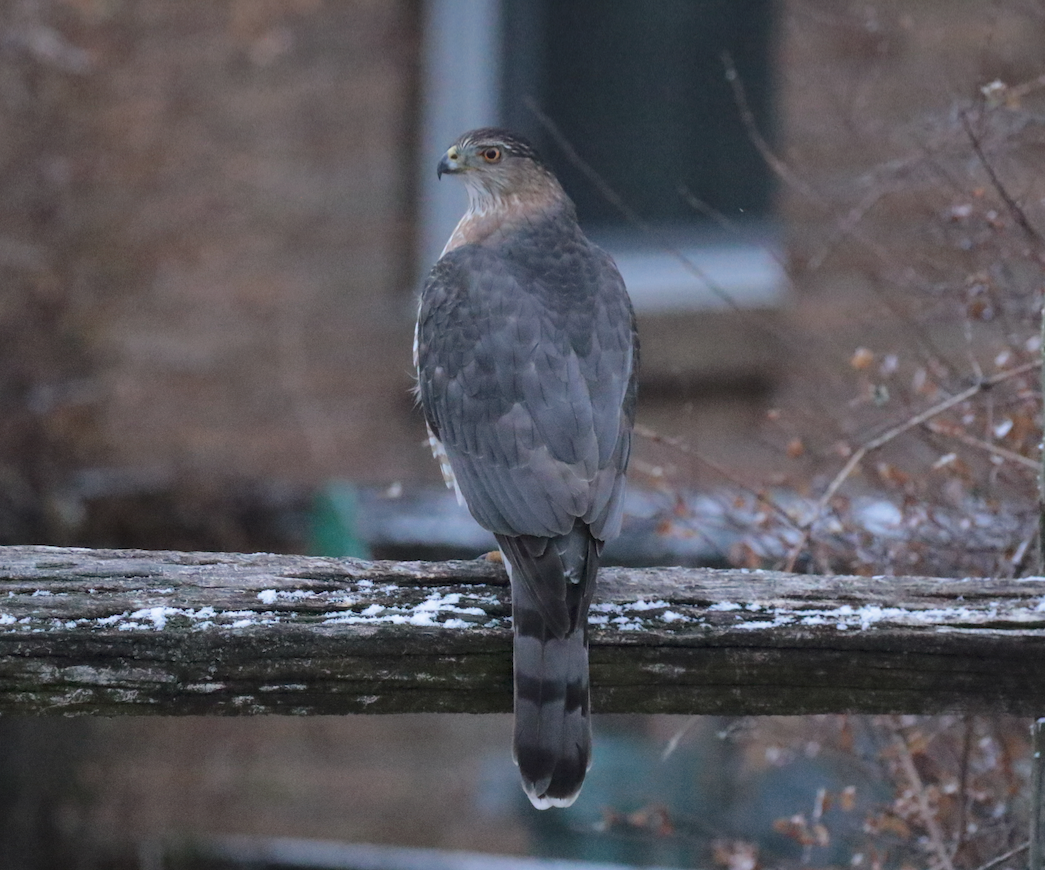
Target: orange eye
[[491, 155]]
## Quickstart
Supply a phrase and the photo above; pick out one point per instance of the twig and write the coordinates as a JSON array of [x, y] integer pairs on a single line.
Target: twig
[[816, 826], [1025, 548], [1041, 457], [1021, 90], [781, 169], [890, 435], [676, 738], [697, 528], [1037, 796], [682, 447], [1017, 212], [932, 826], [963, 786], [747, 118], [1001, 859], [630, 215], [858, 456], [729, 225], [972, 441], [846, 228]]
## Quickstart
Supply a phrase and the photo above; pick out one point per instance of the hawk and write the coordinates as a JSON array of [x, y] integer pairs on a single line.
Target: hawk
[[526, 354]]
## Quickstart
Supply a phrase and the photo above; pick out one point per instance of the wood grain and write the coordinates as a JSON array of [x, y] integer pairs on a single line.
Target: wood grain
[[108, 632]]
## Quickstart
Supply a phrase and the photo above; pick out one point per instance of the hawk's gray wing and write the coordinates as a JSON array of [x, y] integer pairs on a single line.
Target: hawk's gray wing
[[526, 359], [526, 377]]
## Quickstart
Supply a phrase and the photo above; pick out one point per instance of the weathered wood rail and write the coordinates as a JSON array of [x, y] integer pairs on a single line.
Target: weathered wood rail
[[108, 632]]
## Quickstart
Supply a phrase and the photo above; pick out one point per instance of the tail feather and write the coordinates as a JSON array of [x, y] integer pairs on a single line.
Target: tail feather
[[552, 584]]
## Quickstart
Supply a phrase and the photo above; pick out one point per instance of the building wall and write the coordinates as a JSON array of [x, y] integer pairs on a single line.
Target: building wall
[[250, 169], [236, 186]]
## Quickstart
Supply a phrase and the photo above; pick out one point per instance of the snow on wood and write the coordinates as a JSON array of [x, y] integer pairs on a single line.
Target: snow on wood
[[107, 632]]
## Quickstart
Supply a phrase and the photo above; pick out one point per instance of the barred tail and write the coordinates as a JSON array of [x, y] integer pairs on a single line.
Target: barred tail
[[552, 743]]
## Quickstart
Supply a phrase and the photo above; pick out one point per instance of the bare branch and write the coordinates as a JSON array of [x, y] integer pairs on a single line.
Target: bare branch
[[747, 118], [1017, 212], [925, 811], [993, 449], [682, 447], [890, 435], [1005, 856], [617, 201]]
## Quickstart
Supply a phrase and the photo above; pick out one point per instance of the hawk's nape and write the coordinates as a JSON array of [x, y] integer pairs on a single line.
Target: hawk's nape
[[526, 355]]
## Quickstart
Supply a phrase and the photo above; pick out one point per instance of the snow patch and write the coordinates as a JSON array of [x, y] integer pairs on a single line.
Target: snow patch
[[156, 615], [647, 605], [441, 610], [271, 596]]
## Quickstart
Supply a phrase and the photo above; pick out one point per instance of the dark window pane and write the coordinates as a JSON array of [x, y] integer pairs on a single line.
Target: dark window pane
[[639, 89]]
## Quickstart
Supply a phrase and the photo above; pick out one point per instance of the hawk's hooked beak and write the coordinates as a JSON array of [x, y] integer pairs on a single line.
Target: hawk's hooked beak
[[450, 163]]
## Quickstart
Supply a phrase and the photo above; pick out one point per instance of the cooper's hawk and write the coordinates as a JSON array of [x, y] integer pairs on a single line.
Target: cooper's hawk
[[526, 355]]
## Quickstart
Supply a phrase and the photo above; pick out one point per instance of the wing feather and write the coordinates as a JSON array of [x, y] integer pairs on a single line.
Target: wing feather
[[525, 363]]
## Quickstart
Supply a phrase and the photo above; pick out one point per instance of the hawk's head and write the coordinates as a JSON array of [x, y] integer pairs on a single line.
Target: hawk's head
[[495, 163]]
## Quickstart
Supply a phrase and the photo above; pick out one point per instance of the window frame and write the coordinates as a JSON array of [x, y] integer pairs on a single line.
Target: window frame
[[687, 268]]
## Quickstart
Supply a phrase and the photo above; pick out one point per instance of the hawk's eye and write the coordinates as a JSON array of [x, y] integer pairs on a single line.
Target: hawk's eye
[[491, 155]]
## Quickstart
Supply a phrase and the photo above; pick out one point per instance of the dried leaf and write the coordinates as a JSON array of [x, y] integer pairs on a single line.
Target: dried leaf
[[917, 741], [742, 555], [861, 359], [891, 474], [795, 828], [735, 854], [979, 308], [846, 738], [887, 823]]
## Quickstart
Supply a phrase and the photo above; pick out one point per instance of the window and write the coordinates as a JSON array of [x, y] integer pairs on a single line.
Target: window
[[639, 90]]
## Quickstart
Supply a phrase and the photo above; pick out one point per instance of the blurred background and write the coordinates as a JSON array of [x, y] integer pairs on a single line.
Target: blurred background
[[214, 222]]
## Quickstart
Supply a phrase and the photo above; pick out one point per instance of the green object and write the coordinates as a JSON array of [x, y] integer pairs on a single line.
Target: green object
[[334, 522]]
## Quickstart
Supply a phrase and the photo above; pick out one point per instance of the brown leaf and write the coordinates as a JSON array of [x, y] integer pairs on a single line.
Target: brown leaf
[[891, 474], [795, 828], [846, 738], [735, 854], [741, 555], [887, 823], [861, 359]]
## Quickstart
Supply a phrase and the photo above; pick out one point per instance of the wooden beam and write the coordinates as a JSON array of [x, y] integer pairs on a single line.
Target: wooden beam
[[108, 632]]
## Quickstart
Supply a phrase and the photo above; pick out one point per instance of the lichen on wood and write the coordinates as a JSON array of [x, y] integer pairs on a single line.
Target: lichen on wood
[[109, 632]]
